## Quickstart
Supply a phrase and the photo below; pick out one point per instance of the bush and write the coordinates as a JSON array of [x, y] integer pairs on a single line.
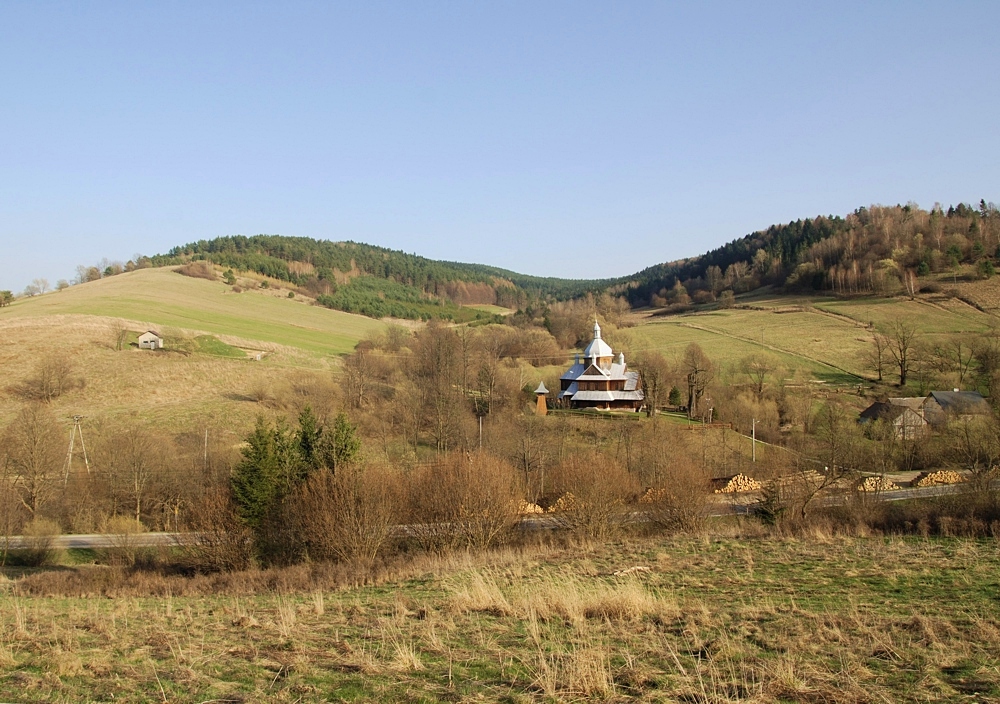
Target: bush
[[123, 532], [594, 489], [198, 270], [469, 501], [222, 542], [680, 501], [348, 516], [39, 540]]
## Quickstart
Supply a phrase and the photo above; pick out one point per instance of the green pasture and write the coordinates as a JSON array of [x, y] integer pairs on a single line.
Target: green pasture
[[802, 347], [163, 298]]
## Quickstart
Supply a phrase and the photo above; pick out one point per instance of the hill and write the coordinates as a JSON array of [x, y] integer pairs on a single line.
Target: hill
[[208, 374], [160, 297]]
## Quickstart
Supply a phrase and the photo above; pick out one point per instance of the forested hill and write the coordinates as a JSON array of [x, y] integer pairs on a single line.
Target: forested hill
[[327, 268], [875, 250]]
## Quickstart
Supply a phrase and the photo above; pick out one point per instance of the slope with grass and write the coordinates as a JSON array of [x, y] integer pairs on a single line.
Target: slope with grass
[[161, 297], [817, 338]]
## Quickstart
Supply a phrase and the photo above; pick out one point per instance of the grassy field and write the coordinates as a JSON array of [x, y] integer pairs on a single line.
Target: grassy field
[[818, 338], [684, 619], [161, 297]]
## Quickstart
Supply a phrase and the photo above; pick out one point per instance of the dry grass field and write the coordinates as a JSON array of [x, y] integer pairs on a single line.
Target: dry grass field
[[163, 298], [824, 619]]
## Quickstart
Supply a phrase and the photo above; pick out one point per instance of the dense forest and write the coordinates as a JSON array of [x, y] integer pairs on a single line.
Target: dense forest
[[878, 250], [341, 275]]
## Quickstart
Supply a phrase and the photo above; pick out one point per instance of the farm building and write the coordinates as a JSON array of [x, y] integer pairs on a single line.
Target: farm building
[[600, 380], [912, 417], [905, 414], [150, 340], [942, 406]]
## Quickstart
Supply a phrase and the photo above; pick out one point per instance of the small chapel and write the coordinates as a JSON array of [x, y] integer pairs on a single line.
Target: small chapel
[[601, 381]]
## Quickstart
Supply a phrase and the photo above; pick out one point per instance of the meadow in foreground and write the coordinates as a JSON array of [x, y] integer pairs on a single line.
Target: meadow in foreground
[[695, 619]]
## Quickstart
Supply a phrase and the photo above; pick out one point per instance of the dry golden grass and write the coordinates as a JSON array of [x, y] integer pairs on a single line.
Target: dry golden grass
[[170, 387], [712, 620]]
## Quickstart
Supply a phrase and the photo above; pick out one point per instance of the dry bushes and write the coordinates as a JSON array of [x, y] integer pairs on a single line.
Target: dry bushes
[[197, 270], [347, 516], [53, 377], [223, 543], [681, 501], [601, 487], [39, 540], [467, 500]]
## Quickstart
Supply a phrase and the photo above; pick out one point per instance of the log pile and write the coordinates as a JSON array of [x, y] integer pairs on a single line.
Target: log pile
[[566, 502], [876, 484], [739, 484], [526, 508], [945, 476]]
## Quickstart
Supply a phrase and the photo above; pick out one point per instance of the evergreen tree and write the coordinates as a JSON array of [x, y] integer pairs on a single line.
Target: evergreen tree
[[344, 443], [256, 479]]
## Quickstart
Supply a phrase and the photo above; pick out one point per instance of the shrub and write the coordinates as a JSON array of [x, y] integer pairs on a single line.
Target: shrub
[[198, 270], [123, 532], [348, 516], [467, 500], [680, 501], [599, 487], [39, 543], [222, 543]]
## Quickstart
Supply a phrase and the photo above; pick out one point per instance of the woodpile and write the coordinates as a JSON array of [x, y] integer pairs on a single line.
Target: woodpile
[[566, 502], [526, 508], [876, 484], [945, 476], [653, 496], [739, 484]]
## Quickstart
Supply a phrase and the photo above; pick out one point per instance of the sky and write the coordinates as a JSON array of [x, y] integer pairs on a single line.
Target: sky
[[575, 139]]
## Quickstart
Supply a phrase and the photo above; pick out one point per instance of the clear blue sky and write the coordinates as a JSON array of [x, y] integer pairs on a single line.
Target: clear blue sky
[[577, 139]]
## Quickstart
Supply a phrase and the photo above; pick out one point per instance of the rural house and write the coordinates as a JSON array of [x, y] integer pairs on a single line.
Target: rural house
[[150, 340], [913, 417], [600, 381], [942, 406], [905, 414]]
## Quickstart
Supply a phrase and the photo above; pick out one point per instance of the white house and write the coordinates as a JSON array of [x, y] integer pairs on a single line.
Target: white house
[[150, 340]]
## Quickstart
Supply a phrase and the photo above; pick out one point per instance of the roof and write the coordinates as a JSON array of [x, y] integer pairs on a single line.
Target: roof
[[541, 388], [597, 346], [150, 332], [914, 404], [960, 401], [886, 410]]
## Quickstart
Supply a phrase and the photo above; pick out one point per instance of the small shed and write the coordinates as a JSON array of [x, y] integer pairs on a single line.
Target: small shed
[[150, 340]]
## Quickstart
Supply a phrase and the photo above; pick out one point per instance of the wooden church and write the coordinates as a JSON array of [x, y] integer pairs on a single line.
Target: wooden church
[[600, 380]]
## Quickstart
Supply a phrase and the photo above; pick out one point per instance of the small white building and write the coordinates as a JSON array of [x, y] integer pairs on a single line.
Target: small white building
[[150, 340]]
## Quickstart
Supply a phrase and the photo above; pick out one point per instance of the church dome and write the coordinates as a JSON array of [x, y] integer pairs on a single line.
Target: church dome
[[597, 347]]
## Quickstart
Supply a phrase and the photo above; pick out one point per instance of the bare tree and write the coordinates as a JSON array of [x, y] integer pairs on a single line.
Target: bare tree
[[118, 333], [699, 372], [33, 453], [876, 357], [757, 369], [902, 336], [655, 376]]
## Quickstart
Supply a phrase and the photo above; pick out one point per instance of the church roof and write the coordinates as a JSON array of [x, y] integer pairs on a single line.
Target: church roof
[[597, 346]]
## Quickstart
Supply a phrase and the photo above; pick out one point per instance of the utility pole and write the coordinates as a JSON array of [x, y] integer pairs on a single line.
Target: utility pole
[[69, 455], [753, 440]]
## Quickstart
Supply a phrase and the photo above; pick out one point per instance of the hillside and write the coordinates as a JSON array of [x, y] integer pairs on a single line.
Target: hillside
[[207, 375], [160, 297]]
